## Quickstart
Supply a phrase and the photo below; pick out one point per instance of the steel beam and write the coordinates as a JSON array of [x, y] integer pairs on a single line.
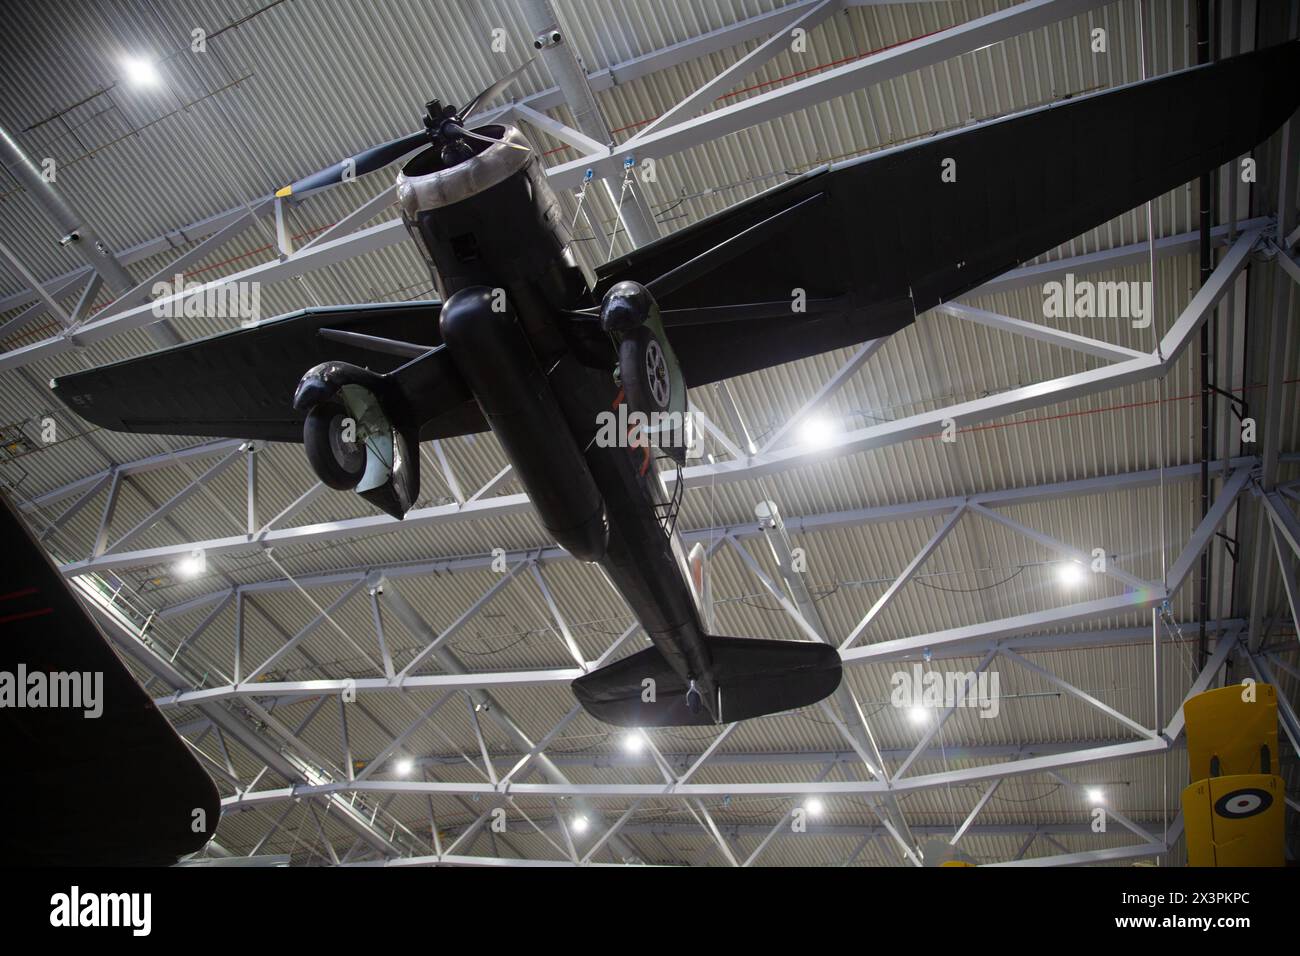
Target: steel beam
[[629, 203], [930, 423], [1085, 857], [625, 71], [498, 714], [304, 261], [854, 726], [1078, 694], [778, 43], [838, 81], [1041, 333], [696, 791], [579, 140], [542, 677], [81, 311], [311, 628], [1060, 547], [431, 647], [140, 466], [56, 289], [904, 576], [170, 504], [692, 792], [247, 737], [73, 230], [518, 503], [24, 274], [832, 385], [143, 291], [949, 709]]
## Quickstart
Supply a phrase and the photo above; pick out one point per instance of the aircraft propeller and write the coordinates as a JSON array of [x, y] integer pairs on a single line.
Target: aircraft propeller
[[442, 126]]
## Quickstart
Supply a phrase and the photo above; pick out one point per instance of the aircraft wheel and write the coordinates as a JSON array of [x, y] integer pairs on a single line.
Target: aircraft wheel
[[694, 702], [643, 369], [337, 462]]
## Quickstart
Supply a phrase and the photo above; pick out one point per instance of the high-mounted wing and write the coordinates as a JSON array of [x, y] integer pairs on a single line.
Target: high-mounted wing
[[875, 241], [100, 777], [241, 384]]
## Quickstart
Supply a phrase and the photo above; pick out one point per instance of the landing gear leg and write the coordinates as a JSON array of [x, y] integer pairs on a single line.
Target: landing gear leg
[[694, 702]]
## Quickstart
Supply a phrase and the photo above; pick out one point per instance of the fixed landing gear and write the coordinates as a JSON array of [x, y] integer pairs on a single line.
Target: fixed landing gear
[[630, 312], [351, 443], [694, 702], [329, 436], [653, 384], [643, 369]]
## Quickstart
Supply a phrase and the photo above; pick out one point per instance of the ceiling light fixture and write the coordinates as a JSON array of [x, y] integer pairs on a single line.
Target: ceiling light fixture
[[1069, 573], [817, 432], [192, 565], [140, 71]]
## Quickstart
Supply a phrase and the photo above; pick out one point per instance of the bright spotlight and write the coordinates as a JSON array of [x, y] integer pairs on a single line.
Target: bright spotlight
[[579, 824], [816, 432], [1095, 795], [633, 742], [192, 565], [814, 806], [918, 714], [405, 766], [1069, 574], [140, 71]]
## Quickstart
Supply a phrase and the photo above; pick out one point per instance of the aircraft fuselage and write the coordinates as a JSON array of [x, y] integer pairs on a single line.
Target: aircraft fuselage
[[500, 253]]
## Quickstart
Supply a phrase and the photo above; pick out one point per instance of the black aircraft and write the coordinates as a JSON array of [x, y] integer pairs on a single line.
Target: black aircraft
[[99, 777], [525, 343]]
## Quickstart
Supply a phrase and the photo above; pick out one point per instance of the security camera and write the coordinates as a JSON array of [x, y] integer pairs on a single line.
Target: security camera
[[547, 38], [69, 238]]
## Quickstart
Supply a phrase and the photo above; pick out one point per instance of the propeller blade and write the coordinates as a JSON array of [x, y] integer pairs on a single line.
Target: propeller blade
[[462, 131], [368, 160], [491, 91]]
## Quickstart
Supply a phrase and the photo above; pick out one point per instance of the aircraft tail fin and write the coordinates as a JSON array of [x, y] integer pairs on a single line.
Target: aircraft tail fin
[[754, 677]]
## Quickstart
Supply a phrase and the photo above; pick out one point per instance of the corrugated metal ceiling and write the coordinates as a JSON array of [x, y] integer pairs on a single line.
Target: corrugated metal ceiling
[[288, 88]]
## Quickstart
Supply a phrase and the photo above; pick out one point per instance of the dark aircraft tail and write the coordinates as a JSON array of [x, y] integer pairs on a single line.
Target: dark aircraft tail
[[755, 677]]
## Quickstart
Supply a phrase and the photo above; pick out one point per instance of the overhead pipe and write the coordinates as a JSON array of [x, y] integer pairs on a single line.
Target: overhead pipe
[[1207, 387], [552, 42], [74, 231]]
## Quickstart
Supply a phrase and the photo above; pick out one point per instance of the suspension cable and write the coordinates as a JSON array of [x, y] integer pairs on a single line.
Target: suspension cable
[[618, 210]]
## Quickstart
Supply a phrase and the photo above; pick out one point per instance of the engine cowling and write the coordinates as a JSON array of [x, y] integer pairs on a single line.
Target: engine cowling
[[351, 439]]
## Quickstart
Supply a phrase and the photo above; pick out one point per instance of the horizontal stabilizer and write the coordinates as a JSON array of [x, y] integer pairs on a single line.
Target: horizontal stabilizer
[[755, 677]]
